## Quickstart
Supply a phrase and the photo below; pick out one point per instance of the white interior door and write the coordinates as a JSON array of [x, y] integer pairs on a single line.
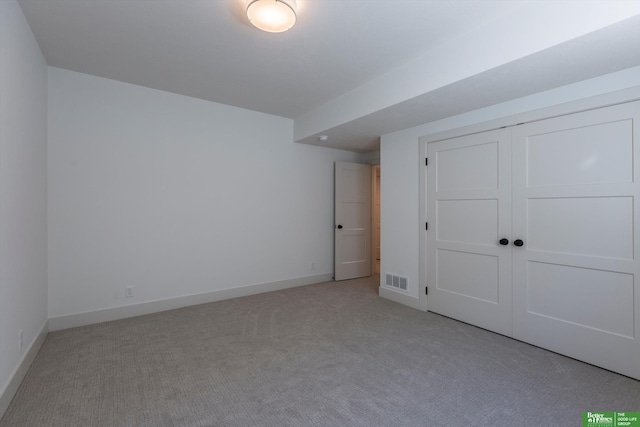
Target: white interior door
[[352, 228], [576, 203], [469, 212]]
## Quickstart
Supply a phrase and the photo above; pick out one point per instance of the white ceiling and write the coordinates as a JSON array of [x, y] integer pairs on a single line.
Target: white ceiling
[[353, 69]]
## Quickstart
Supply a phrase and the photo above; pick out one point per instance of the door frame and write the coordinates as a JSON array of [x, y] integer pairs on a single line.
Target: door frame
[[375, 170], [590, 103]]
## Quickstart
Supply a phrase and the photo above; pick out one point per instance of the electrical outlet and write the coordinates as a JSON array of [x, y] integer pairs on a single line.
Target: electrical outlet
[[313, 266], [20, 340], [128, 292]]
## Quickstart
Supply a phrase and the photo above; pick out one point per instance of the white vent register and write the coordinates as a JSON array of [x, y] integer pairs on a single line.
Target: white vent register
[[395, 281]]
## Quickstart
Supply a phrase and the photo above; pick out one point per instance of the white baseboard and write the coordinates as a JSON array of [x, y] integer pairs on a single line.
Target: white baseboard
[[399, 297], [15, 379], [116, 313]]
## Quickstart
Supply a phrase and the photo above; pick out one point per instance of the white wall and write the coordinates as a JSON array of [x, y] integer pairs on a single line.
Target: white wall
[[399, 210], [23, 232], [372, 157], [176, 196], [401, 226]]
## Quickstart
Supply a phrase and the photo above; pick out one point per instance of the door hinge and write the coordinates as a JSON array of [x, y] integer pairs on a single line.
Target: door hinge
[[426, 225], [426, 161], [426, 290]]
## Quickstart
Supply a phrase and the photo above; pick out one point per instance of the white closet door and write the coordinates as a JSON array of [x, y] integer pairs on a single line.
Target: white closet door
[[575, 206], [469, 211]]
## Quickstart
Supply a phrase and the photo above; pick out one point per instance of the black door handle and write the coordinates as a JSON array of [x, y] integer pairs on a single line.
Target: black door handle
[[339, 227], [518, 242], [504, 242]]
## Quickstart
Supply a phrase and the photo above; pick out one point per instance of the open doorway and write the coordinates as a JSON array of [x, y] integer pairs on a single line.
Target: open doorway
[[375, 219]]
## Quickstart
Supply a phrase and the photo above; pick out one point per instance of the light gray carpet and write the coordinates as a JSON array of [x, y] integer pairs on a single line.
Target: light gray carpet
[[332, 354]]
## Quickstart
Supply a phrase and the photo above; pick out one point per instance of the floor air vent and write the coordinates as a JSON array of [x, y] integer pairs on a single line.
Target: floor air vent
[[395, 281]]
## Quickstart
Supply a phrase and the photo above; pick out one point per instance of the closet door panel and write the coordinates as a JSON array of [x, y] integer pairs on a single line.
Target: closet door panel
[[582, 154], [469, 211], [604, 299], [576, 207], [575, 225]]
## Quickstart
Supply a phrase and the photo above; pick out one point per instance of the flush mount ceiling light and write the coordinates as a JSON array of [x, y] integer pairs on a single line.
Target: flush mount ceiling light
[[273, 16]]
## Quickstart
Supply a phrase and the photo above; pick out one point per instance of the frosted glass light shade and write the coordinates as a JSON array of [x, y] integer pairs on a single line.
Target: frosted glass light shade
[[273, 16]]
